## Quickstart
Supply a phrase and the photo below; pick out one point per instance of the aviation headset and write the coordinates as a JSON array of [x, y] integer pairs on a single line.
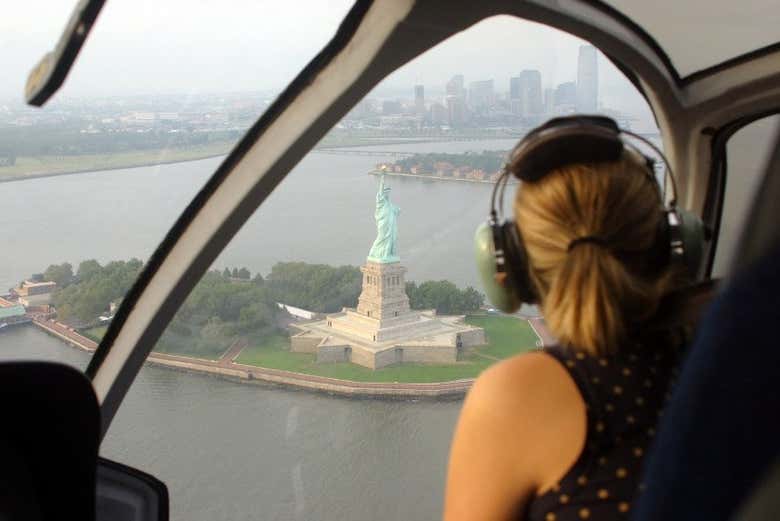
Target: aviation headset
[[501, 256]]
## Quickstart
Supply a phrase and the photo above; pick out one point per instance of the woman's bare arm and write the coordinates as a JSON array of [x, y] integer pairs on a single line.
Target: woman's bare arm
[[523, 425]]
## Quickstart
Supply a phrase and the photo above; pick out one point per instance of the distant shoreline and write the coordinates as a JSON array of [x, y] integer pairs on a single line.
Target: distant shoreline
[[436, 177], [25, 177], [145, 160], [138, 159]]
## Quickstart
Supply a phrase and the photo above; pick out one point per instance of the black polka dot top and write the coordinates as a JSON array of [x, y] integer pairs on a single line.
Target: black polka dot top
[[624, 395]]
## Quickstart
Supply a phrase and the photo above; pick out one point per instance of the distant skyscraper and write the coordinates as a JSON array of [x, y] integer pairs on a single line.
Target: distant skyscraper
[[481, 95], [549, 101], [525, 94], [390, 107], [514, 88], [439, 114], [587, 80], [565, 94], [455, 87], [456, 110], [565, 98], [419, 99]]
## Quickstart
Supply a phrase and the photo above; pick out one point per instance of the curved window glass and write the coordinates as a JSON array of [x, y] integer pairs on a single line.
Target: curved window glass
[[91, 183], [337, 289], [747, 153]]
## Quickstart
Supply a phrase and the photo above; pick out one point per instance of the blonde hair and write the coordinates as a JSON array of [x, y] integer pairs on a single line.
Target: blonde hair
[[594, 294]]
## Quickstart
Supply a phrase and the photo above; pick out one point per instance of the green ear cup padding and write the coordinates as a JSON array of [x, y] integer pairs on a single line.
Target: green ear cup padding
[[504, 299], [693, 237]]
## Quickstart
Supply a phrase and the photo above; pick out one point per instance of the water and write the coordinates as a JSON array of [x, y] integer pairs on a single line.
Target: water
[[322, 212], [240, 452], [232, 451]]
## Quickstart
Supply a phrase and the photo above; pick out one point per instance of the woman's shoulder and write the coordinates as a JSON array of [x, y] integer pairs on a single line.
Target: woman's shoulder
[[532, 391], [533, 409], [508, 378]]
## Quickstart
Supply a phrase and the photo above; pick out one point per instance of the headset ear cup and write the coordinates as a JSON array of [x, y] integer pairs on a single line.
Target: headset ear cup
[[517, 264], [501, 294], [692, 233]]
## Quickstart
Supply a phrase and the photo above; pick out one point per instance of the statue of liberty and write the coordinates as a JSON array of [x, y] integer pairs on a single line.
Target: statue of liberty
[[385, 247]]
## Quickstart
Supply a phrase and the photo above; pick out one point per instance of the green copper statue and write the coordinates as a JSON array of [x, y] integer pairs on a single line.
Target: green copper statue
[[385, 247]]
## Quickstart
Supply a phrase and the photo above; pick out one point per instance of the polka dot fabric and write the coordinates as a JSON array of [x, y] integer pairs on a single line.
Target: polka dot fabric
[[624, 396]]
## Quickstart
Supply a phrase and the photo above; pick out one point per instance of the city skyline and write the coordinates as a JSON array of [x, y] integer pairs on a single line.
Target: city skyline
[[260, 53]]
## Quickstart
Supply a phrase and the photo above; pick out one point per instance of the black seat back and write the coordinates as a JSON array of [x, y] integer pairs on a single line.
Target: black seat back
[[48, 442]]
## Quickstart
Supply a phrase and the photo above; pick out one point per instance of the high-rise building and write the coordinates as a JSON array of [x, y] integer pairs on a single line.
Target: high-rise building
[[390, 107], [525, 94], [481, 95], [419, 99], [455, 87], [514, 88], [549, 101], [565, 94], [439, 115], [565, 99], [456, 110], [587, 80]]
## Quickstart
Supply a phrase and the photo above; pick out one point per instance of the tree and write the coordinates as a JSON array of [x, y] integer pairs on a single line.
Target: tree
[[244, 273], [444, 297], [317, 287], [88, 297], [62, 274], [87, 269], [255, 316], [226, 273], [235, 273]]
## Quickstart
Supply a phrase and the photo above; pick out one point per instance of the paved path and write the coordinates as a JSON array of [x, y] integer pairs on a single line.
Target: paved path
[[483, 355], [233, 351], [540, 328]]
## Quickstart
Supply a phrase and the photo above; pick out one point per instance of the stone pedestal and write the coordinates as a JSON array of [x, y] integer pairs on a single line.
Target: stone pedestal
[[383, 330], [384, 291]]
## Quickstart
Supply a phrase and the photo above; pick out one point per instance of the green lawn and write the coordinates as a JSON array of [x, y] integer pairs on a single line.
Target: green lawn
[[507, 336], [95, 333], [193, 344]]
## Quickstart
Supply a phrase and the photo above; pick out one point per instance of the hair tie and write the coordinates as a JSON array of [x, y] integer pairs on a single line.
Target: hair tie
[[592, 239]]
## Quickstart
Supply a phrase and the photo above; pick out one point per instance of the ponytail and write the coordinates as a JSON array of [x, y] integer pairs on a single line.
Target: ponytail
[[579, 224], [586, 302]]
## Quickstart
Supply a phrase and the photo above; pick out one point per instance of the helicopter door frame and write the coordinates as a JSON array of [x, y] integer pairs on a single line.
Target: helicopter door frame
[[375, 39]]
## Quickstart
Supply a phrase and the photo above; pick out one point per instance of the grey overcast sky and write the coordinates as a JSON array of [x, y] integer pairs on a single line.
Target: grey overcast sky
[[189, 46]]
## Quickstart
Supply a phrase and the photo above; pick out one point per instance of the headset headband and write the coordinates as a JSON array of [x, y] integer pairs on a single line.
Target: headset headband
[[570, 140]]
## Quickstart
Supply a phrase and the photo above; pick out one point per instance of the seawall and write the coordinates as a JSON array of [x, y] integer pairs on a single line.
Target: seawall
[[226, 368]]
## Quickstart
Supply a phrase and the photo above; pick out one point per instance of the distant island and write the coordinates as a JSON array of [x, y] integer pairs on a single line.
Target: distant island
[[480, 167]]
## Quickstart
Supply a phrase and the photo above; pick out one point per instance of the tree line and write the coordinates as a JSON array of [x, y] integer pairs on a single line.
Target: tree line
[[230, 302], [82, 296], [488, 160]]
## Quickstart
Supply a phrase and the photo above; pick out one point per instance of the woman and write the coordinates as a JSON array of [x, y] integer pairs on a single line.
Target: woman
[[560, 433]]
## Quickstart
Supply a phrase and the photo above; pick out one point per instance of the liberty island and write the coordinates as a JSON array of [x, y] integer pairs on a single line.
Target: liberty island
[[383, 329]]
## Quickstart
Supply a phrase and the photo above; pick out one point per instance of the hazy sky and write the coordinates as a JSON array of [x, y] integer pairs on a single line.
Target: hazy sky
[[187, 46]]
